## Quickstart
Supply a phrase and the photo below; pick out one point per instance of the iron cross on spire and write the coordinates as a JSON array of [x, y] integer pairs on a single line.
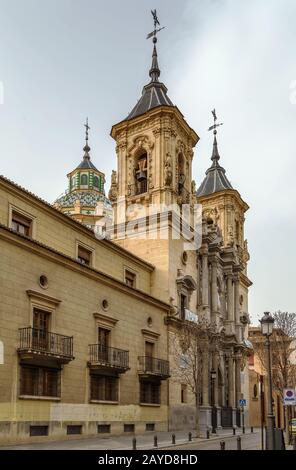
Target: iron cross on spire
[[214, 127], [156, 22]]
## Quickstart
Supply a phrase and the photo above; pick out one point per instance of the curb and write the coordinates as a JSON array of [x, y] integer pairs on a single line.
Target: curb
[[195, 441]]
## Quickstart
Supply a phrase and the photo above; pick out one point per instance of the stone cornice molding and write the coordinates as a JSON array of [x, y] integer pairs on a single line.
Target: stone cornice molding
[[31, 198], [55, 256], [33, 294]]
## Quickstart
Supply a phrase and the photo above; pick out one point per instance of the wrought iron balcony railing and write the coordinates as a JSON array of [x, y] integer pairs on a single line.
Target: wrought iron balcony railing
[[141, 187], [43, 341], [154, 366], [100, 355]]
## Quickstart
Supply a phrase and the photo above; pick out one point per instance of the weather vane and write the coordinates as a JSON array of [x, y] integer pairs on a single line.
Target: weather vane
[[87, 128], [214, 127], [156, 22]]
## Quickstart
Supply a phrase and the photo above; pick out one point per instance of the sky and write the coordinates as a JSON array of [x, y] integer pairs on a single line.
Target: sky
[[63, 60]]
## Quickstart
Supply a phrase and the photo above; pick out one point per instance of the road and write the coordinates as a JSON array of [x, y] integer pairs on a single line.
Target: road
[[248, 441]]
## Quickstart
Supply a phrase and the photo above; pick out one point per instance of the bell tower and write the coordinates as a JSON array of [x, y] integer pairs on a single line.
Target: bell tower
[[154, 146], [223, 205]]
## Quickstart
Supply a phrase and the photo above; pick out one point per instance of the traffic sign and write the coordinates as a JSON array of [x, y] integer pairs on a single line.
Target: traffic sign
[[242, 402], [289, 396]]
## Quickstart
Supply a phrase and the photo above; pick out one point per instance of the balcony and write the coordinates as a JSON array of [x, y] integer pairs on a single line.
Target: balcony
[[154, 367], [138, 189], [105, 358], [42, 344]]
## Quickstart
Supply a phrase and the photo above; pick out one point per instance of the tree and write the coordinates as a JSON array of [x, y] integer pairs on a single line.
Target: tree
[[283, 347], [193, 343]]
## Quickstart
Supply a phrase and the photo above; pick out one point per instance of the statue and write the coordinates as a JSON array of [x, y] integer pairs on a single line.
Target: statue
[[113, 189], [230, 237], [193, 187], [168, 175]]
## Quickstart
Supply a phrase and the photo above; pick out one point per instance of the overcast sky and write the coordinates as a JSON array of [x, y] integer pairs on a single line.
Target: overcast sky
[[63, 60]]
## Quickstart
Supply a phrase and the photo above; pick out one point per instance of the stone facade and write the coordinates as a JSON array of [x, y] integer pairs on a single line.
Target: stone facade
[[89, 326], [41, 272]]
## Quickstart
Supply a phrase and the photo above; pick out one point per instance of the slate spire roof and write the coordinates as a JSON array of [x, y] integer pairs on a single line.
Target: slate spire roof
[[155, 93], [216, 179], [86, 162]]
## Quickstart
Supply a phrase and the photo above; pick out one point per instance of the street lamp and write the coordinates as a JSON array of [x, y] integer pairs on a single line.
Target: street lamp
[[214, 410], [267, 323]]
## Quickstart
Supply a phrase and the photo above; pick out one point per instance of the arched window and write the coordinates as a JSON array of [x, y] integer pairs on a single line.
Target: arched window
[[83, 181], [96, 182], [141, 174]]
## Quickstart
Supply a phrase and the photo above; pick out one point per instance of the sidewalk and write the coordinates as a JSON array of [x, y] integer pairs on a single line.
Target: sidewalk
[[165, 439], [143, 441]]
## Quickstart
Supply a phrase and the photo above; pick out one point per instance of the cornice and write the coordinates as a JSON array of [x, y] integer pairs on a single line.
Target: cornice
[[128, 124], [55, 256], [219, 195], [24, 194], [41, 296]]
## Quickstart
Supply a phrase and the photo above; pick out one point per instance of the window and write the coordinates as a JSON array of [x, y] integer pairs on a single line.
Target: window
[[128, 428], [84, 255], [183, 305], [74, 429], [103, 337], [39, 381], [104, 341], [141, 174], [96, 182], [21, 224], [38, 430], [104, 428], [150, 426], [40, 336], [83, 180], [255, 391], [130, 278], [103, 388], [150, 392], [183, 394]]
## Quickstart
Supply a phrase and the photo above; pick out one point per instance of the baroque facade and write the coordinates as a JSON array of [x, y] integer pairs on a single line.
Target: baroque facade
[[154, 147], [91, 342]]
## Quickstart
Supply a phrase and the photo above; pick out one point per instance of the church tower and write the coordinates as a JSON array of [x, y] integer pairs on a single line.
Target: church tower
[[85, 198], [154, 146], [204, 284], [154, 149], [223, 205]]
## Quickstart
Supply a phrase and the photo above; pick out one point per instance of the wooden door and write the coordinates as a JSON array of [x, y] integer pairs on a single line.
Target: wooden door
[[40, 329]]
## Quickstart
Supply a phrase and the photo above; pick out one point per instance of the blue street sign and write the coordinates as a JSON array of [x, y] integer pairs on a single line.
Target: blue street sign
[[242, 402]]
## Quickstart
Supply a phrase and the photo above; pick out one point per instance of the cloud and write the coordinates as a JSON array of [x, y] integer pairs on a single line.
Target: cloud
[[239, 59]]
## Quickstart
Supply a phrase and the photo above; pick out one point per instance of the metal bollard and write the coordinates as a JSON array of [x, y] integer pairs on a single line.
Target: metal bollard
[[134, 443], [252, 429], [222, 445], [294, 443], [208, 434], [190, 437], [239, 443], [244, 430], [234, 431], [173, 439], [155, 441]]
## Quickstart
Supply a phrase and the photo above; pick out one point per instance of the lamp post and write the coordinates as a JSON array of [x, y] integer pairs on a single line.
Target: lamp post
[[214, 411], [266, 328]]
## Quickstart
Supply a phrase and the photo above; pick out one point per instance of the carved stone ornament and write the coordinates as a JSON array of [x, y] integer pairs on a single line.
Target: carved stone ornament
[[168, 174], [113, 192]]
